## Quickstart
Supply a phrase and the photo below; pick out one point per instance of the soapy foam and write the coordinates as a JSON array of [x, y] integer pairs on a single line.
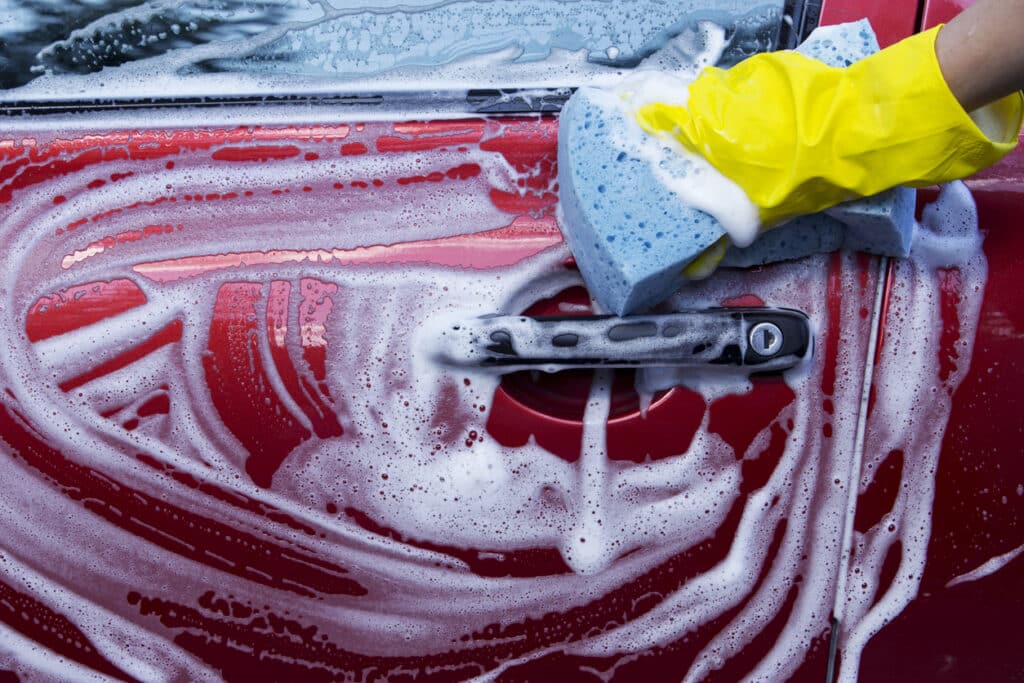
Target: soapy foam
[[987, 568], [397, 405], [951, 243], [483, 486]]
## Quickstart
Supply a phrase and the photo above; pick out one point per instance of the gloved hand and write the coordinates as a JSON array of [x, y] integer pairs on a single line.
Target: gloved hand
[[799, 136]]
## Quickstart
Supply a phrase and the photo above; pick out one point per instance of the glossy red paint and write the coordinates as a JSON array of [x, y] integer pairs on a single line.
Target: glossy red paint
[[892, 20], [941, 11], [523, 238], [271, 425], [168, 335], [207, 541], [28, 163], [43, 625], [966, 630], [81, 305], [549, 407], [273, 403], [963, 632]]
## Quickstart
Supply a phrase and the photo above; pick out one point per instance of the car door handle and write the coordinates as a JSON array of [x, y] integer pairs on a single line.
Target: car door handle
[[758, 339]]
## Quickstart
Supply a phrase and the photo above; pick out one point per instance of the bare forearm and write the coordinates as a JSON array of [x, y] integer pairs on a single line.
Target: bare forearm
[[981, 54]]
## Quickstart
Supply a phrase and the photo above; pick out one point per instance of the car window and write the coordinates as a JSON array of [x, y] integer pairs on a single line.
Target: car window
[[54, 49]]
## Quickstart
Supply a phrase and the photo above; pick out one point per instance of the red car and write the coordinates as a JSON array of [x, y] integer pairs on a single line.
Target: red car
[[230, 447]]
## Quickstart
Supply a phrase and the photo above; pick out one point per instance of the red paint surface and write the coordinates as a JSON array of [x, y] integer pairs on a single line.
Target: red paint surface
[[79, 306], [549, 407], [223, 632], [523, 238], [969, 632], [33, 619], [111, 241], [144, 205], [168, 335], [353, 149], [892, 20], [231, 497], [224, 635], [759, 408], [240, 388], [461, 172], [941, 11], [529, 146], [247, 640], [964, 633], [832, 340], [31, 163], [428, 135], [255, 153], [305, 382], [206, 541], [522, 563]]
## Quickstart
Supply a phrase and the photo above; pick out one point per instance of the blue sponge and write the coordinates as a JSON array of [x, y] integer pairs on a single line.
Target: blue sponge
[[799, 237], [883, 224], [632, 236], [629, 234]]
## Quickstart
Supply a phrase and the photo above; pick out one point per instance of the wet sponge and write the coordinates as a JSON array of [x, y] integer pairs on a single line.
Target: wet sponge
[[629, 233], [632, 236], [883, 224]]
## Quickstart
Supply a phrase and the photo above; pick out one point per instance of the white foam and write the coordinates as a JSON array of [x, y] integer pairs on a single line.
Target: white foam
[[986, 568], [483, 495], [912, 407]]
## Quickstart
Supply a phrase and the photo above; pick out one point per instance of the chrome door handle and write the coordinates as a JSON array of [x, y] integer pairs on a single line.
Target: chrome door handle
[[758, 339]]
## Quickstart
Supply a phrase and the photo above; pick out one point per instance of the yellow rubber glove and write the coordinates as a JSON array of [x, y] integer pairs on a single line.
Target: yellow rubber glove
[[799, 136]]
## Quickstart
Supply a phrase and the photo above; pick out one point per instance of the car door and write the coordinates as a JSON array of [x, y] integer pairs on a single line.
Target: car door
[[231, 448]]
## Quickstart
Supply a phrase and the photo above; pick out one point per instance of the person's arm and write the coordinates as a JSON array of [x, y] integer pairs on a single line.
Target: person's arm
[[981, 54]]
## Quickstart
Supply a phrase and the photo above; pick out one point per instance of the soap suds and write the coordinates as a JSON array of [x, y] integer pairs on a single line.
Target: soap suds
[[987, 568], [913, 400], [398, 492]]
